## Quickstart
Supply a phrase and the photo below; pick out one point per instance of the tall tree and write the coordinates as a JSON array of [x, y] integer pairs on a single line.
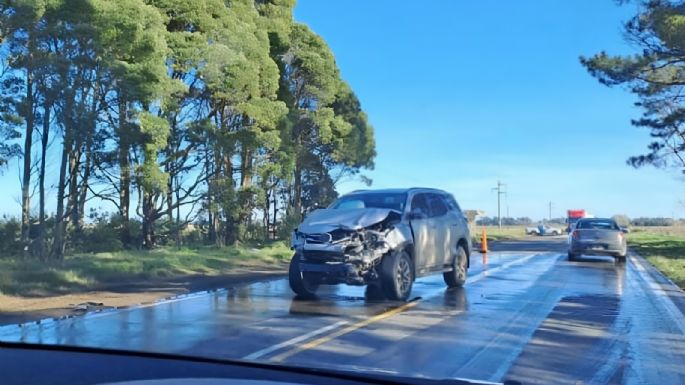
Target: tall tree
[[329, 134], [134, 50], [21, 29], [656, 76]]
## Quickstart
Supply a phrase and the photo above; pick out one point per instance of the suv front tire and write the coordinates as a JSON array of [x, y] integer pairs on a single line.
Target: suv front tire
[[457, 276], [302, 284], [397, 275]]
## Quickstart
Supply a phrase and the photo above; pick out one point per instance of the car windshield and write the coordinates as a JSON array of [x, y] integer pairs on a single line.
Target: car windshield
[[374, 200], [438, 189]]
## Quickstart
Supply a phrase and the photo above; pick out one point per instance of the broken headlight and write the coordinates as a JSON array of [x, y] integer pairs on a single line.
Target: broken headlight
[[297, 239]]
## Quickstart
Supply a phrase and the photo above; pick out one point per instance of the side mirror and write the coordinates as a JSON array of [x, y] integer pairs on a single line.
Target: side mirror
[[625, 230], [416, 214]]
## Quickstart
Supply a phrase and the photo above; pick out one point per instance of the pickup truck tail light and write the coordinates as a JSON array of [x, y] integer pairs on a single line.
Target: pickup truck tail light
[[575, 234]]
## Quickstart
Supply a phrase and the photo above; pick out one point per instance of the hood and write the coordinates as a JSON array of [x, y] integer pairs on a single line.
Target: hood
[[325, 220]]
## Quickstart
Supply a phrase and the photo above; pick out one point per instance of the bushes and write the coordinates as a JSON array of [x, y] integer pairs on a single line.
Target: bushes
[[104, 234], [652, 222], [10, 233], [288, 224]]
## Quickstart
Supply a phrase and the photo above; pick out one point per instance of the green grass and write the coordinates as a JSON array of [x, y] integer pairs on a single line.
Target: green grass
[[664, 247], [86, 271]]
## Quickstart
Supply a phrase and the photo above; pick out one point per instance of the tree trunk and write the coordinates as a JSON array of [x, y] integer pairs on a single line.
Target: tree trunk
[[229, 231], [124, 171], [211, 224], [273, 226], [83, 193], [246, 168], [266, 208], [178, 216], [58, 245], [28, 142], [72, 202], [83, 189], [148, 227], [230, 224], [41, 180], [297, 187]]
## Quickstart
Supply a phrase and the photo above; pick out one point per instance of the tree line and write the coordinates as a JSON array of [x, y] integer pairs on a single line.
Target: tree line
[[224, 113]]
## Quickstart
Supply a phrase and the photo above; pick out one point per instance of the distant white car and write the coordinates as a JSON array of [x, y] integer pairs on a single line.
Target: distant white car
[[543, 230]]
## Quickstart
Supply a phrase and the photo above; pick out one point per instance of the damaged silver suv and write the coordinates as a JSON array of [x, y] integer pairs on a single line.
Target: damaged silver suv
[[383, 239]]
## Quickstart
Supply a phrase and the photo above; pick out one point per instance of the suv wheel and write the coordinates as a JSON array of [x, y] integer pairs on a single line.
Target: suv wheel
[[300, 282], [457, 276], [397, 275], [572, 256]]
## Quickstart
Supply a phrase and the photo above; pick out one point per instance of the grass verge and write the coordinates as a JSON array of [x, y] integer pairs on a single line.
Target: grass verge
[[664, 248], [89, 271]]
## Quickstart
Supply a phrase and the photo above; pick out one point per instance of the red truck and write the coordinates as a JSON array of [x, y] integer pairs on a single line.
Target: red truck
[[572, 217]]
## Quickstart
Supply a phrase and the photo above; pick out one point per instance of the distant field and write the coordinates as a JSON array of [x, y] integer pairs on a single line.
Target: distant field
[[664, 247]]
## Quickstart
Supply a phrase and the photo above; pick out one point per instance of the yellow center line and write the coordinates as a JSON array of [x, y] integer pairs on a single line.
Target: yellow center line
[[322, 340]]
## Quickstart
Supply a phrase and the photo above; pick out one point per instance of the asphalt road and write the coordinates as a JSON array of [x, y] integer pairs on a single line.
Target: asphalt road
[[525, 314]]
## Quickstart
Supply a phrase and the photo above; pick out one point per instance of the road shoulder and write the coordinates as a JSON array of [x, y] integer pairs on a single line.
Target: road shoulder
[[24, 309]]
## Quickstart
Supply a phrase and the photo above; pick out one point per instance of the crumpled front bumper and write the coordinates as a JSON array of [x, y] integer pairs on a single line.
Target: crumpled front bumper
[[334, 273]]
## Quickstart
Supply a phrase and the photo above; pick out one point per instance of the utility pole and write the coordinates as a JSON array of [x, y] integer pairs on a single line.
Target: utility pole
[[550, 211], [500, 191]]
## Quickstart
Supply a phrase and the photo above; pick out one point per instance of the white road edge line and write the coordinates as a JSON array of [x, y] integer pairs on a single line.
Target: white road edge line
[[660, 295], [293, 341], [304, 337]]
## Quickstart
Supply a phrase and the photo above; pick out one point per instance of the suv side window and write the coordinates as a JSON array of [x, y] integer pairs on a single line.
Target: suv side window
[[420, 202], [452, 203], [437, 205]]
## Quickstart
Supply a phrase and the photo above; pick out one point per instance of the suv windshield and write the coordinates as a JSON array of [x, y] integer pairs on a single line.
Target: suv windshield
[[394, 201]]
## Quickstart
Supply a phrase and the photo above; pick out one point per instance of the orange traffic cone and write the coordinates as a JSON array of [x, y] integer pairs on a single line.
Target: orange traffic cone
[[484, 242]]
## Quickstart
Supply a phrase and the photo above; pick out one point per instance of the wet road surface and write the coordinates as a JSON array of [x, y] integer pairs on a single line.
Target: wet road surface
[[526, 314]]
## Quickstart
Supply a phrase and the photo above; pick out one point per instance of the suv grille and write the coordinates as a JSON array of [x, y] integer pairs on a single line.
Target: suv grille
[[323, 256]]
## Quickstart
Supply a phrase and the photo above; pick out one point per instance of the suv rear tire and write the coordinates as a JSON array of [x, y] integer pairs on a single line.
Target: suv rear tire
[[300, 282], [457, 276], [397, 275]]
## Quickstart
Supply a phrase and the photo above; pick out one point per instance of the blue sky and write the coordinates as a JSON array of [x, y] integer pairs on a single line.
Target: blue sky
[[463, 93]]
